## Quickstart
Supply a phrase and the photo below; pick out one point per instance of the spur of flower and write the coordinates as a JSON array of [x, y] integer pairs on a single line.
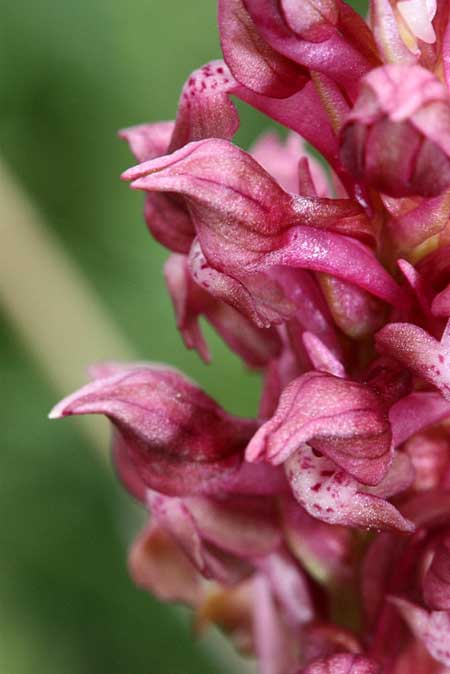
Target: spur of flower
[[316, 535]]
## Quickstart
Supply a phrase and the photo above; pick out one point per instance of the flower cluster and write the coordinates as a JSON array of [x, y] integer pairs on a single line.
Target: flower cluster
[[318, 534]]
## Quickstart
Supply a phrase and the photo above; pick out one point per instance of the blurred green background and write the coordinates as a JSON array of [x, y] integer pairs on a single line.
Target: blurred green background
[[71, 74]]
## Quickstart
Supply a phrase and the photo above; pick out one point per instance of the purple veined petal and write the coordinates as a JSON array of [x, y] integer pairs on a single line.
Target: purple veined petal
[[247, 224], [436, 584], [420, 352], [321, 357], [387, 34], [289, 585], [207, 171], [333, 496], [336, 56], [148, 141], [340, 418], [204, 109], [174, 515], [251, 59], [342, 663], [158, 565], [324, 550], [254, 345], [415, 412], [179, 440], [433, 628], [253, 195], [274, 643]]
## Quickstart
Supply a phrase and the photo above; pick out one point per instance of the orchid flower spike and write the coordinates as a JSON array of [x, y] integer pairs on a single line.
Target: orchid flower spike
[[334, 284]]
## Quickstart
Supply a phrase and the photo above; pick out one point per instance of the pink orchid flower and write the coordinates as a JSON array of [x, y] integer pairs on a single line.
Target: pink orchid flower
[[317, 534]]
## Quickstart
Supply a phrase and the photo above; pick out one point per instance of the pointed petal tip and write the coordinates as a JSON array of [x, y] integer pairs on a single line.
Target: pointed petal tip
[[59, 411]]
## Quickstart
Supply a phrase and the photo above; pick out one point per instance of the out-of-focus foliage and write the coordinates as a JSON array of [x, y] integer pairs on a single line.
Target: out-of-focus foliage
[[71, 74]]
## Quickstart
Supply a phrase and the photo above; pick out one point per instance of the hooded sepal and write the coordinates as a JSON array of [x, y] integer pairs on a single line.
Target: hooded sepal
[[178, 438]]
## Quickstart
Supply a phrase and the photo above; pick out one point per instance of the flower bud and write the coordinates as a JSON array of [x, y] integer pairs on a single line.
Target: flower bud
[[397, 137]]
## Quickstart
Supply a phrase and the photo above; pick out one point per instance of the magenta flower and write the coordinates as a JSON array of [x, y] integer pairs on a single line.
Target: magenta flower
[[335, 285]]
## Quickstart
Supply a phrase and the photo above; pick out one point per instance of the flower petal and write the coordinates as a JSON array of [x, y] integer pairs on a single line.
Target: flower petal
[[420, 352], [322, 358], [157, 564], [336, 56], [148, 141], [205, 109], [254, 345], [415, 412], [251, 59], [331, 495], [126, 470], [397, 137], [340, 418], [256, 296], [441, 303], [246, 223], [324, 550], [357, 313], [177, 437], [433, 629], [175, 517], [274, 642]]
